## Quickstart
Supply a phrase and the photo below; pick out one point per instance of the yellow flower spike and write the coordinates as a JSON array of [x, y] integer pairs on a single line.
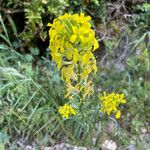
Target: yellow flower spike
[[111, 102], [72, 42]]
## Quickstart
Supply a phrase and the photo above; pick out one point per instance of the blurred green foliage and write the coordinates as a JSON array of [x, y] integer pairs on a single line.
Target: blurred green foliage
[[142, 18], [36, 14], [28, 96]]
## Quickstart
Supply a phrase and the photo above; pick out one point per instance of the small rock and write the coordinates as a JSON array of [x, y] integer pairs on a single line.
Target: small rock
[[47, 148], [143, 130], [94, 140], [109, 144], [63, 146], [132, 145], [28, 147]]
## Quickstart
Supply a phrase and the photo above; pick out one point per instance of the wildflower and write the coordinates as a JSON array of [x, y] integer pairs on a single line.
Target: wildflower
[[72, 42], [110, 103], [66, 111]]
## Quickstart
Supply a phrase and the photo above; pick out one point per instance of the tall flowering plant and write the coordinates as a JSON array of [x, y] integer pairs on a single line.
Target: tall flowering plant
[[72, 43]]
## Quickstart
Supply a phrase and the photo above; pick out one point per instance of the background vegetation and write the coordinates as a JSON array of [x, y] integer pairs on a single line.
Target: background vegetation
[[31, 89]]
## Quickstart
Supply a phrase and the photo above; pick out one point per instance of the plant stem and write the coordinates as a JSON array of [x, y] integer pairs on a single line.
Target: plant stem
[[80, 94]]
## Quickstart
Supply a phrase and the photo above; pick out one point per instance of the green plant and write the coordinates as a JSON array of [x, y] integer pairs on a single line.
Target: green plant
[[142, 18], [72, 42], [33, 14], [22, 96], [27, 103]]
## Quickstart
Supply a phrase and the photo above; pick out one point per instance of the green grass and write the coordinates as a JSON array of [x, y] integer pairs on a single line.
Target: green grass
[[29, 101]]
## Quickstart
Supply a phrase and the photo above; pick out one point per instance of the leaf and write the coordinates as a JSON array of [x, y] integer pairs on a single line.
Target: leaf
[[28, 57], [4, 47], [3, 139], [34, 51], [12, 25], [5, 39], [1, 146]]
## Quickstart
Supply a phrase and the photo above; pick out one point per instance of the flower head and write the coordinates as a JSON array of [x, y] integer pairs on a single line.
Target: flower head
[[66, 111], [110, 103]]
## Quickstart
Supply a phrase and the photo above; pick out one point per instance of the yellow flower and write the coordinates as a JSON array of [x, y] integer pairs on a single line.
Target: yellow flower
[[66, 111], [72, 42], [110, 103]]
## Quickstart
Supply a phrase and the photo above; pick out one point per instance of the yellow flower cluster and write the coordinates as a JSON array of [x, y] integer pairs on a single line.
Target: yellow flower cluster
[[110, 103], [72, 42], [66, 111]]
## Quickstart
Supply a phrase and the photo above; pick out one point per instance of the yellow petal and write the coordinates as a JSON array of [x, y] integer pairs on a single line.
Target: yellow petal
[[123, 101], [73, 38], [96, 45], [74, 29], [49, 24], [76, 55], [118, 114]]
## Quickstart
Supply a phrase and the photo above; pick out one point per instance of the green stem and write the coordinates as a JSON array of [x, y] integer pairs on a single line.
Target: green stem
[[80, 94]]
